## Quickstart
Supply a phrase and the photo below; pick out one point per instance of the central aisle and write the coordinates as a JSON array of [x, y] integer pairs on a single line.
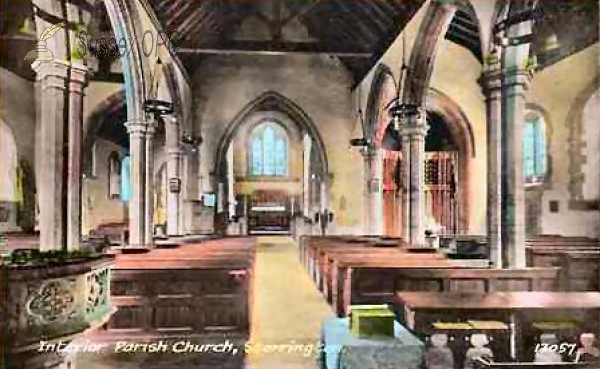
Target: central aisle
[[287, 310]]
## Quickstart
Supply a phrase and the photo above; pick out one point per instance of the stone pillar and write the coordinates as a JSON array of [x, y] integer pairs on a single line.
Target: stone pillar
[[416, 131], [77, 82], [307, 147], [491, 82], [405, 188], [149, 188], [173, 151], [515, 84], [137, 151], [376, 193], [368, 169], [51, 171]]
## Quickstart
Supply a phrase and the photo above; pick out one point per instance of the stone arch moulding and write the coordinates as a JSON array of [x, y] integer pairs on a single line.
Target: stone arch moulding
[[437, 19], [125, 22], [276, 102], [462, 132], [576, 144], [382, 73]]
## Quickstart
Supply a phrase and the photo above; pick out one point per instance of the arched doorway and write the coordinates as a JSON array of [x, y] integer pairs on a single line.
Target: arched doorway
[[441, 176]]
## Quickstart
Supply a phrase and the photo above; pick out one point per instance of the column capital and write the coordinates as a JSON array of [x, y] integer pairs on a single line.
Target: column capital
[[78, 73], [137, 127], [53, 68], [490, 81], [51, 74], [517, 77], [419, 130]]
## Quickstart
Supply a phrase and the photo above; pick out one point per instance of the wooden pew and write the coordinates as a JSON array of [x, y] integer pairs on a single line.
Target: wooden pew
[[196, 289], [328, 256], [308, 244], [580, 270], [546, 250], [356, 282]]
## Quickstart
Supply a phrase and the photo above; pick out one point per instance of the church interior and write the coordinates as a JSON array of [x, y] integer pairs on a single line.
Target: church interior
[[302, 184]]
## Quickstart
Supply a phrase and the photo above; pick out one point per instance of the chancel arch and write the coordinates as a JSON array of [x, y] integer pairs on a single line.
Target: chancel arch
[[272, 157]]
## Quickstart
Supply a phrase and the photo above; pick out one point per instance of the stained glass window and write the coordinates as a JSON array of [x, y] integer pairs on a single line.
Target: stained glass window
[[268, 151], [534, 150], [126, 179]]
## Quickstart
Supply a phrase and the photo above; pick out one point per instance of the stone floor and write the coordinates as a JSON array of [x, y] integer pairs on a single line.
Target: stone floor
[[287, 314]]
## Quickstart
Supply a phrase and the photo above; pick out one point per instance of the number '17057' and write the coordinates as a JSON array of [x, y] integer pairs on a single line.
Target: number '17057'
[[563, 348]]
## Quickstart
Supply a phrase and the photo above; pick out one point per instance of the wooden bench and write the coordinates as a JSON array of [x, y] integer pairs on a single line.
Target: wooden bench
[[328, 256], [355, 282], [580, 270], [546, 250], [195, 289]]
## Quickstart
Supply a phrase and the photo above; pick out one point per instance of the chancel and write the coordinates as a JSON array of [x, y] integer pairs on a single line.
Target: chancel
[[305, 184]]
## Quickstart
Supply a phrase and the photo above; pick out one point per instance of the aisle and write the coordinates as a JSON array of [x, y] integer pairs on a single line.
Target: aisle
[[287, 310]]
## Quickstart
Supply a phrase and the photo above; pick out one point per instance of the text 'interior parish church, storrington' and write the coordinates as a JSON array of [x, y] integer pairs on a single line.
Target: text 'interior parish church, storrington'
[[299, 184]]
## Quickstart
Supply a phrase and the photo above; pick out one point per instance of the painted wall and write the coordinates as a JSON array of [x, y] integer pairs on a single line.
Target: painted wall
[[224, 85], [559, 92], [18, 113], [98, 208], [17, 97]]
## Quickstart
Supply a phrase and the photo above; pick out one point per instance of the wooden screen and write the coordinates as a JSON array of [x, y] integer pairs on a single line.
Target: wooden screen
[[392, 195], [440, 189]]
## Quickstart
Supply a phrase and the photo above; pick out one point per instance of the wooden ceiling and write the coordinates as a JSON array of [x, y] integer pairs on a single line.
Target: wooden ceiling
[[356, 31]]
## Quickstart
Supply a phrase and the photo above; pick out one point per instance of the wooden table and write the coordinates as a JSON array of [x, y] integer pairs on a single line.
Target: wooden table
[[419, 310]]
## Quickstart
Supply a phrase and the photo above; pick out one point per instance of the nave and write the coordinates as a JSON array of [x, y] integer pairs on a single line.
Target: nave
[[435, 163]]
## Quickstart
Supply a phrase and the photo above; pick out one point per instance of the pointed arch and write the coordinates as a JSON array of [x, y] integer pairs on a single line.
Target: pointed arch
[[274, 101], [383, 75], [437, 19]]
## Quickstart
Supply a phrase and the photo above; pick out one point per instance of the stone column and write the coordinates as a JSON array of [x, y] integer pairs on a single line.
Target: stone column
[[515, 84], [405, 188], [376, 193], [149, 188], [137, 151], [51, 171], [307, 147], [77, 82], [491, 83], [173, 151], [416, 131], [367, 154]]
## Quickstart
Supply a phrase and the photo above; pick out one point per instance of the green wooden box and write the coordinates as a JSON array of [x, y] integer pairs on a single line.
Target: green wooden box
[[371, 320]]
